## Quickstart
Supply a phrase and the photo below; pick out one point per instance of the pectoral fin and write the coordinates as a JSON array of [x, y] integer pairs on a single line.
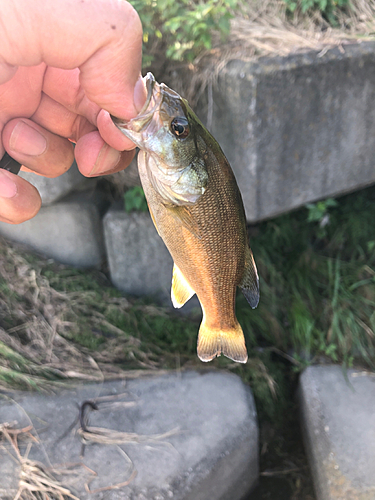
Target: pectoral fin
[[181, 291], [153, 219], [182, 213], [250, 280]]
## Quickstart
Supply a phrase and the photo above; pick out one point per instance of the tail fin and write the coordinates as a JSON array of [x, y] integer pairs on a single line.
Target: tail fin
[[213, 342]]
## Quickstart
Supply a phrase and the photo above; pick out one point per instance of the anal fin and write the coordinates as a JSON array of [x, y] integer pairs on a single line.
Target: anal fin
[[250, 280], [181, 291], [213, 342]]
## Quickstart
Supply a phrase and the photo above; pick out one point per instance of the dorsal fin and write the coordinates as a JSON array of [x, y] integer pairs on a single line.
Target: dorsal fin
[[250, 280], [181, 291]]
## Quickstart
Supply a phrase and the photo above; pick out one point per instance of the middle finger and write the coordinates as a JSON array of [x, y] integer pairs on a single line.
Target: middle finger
[[59, 120]]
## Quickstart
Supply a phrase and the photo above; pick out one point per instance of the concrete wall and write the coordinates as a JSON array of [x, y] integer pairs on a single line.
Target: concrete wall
[[298, 128]]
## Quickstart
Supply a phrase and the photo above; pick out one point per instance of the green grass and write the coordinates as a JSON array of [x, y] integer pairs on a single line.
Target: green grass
[[317, 283], [317, 303]]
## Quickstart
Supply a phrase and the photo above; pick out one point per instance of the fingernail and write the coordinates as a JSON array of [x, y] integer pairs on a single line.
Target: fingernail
[[140, 94], [26, 140], [107, 160], [8, 188]]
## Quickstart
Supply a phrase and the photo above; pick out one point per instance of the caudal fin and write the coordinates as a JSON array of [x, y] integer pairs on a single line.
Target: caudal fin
[[213, 342]]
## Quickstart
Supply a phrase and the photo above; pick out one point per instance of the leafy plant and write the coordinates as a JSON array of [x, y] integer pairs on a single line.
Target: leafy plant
[[318, 212], [182, 28], [317, 294], [135, 200], [328, 8]]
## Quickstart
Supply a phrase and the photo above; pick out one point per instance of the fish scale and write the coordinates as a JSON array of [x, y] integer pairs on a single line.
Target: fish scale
[[197, 209]]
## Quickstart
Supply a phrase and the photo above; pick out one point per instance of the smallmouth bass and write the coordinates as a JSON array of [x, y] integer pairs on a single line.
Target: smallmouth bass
[[197, 209]]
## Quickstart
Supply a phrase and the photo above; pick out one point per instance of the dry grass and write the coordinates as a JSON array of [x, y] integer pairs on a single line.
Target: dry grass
[[37, 322], [40, 482], [36, 482], [264, 28]]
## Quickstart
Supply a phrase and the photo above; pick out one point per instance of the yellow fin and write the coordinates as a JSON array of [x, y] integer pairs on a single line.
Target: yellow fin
[[184, 217], [181, 291], [153, 219], [213, 342]]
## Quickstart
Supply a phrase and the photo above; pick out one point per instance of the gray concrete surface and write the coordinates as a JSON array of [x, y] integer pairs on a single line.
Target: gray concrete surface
[[52, 190], [338, 420], [212, 456], [298, 128], [139, 262], [69, 231]]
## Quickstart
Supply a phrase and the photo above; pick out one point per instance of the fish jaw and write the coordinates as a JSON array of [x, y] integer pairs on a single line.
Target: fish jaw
[[144, 125], [175, 167], [150, 130]]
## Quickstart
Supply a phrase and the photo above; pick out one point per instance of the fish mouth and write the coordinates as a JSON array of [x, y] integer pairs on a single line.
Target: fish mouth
[[143, 122]]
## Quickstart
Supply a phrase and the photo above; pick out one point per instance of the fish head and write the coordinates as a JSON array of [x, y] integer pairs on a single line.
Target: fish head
[[170, 134]]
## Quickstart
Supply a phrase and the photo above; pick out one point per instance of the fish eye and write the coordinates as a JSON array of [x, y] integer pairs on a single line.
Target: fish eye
[[180, 127]]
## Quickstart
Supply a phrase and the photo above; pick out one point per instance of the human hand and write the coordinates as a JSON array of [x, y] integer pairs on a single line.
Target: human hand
[[64, 66]]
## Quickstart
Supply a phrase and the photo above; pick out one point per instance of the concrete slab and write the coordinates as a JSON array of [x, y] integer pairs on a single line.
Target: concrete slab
[[138, 260], [299, 128], [69, 231], [52, 190], [213, 455], [338, 419]]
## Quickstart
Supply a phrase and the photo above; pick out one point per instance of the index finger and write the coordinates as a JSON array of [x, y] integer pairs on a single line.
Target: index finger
[[103, 38]]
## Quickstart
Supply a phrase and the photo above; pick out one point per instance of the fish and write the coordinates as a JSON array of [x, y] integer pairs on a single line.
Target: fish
[[197, 209]]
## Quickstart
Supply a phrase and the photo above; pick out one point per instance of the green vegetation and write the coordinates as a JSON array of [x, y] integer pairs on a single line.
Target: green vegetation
[[318, 282], [327, 8], [181, 30], [135, 200], [317, 271]]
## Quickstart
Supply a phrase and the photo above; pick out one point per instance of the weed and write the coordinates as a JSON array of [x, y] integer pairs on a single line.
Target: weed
[[182, 28], [317, 301], [135, 200], [317, 288]]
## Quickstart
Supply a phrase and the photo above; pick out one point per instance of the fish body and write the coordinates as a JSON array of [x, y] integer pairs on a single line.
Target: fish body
[[197, 209]]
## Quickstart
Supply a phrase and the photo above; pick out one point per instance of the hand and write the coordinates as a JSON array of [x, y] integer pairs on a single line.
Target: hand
[[64, 66]]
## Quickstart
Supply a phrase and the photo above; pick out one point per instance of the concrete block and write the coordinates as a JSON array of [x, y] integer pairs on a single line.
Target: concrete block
[[69, 231], [338, 419], [52, 190], [138, 260], [298, 128], [213, 453]]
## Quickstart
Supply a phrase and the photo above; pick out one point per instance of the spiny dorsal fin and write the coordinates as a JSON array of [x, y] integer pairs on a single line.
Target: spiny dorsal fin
[[250, 280], [181, 291]]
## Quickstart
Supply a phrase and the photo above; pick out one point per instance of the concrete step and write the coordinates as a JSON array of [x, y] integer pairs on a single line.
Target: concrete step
[[52, 190], [69, 231], [138, 260], [212, 452], [299, 128], [338, 420]]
